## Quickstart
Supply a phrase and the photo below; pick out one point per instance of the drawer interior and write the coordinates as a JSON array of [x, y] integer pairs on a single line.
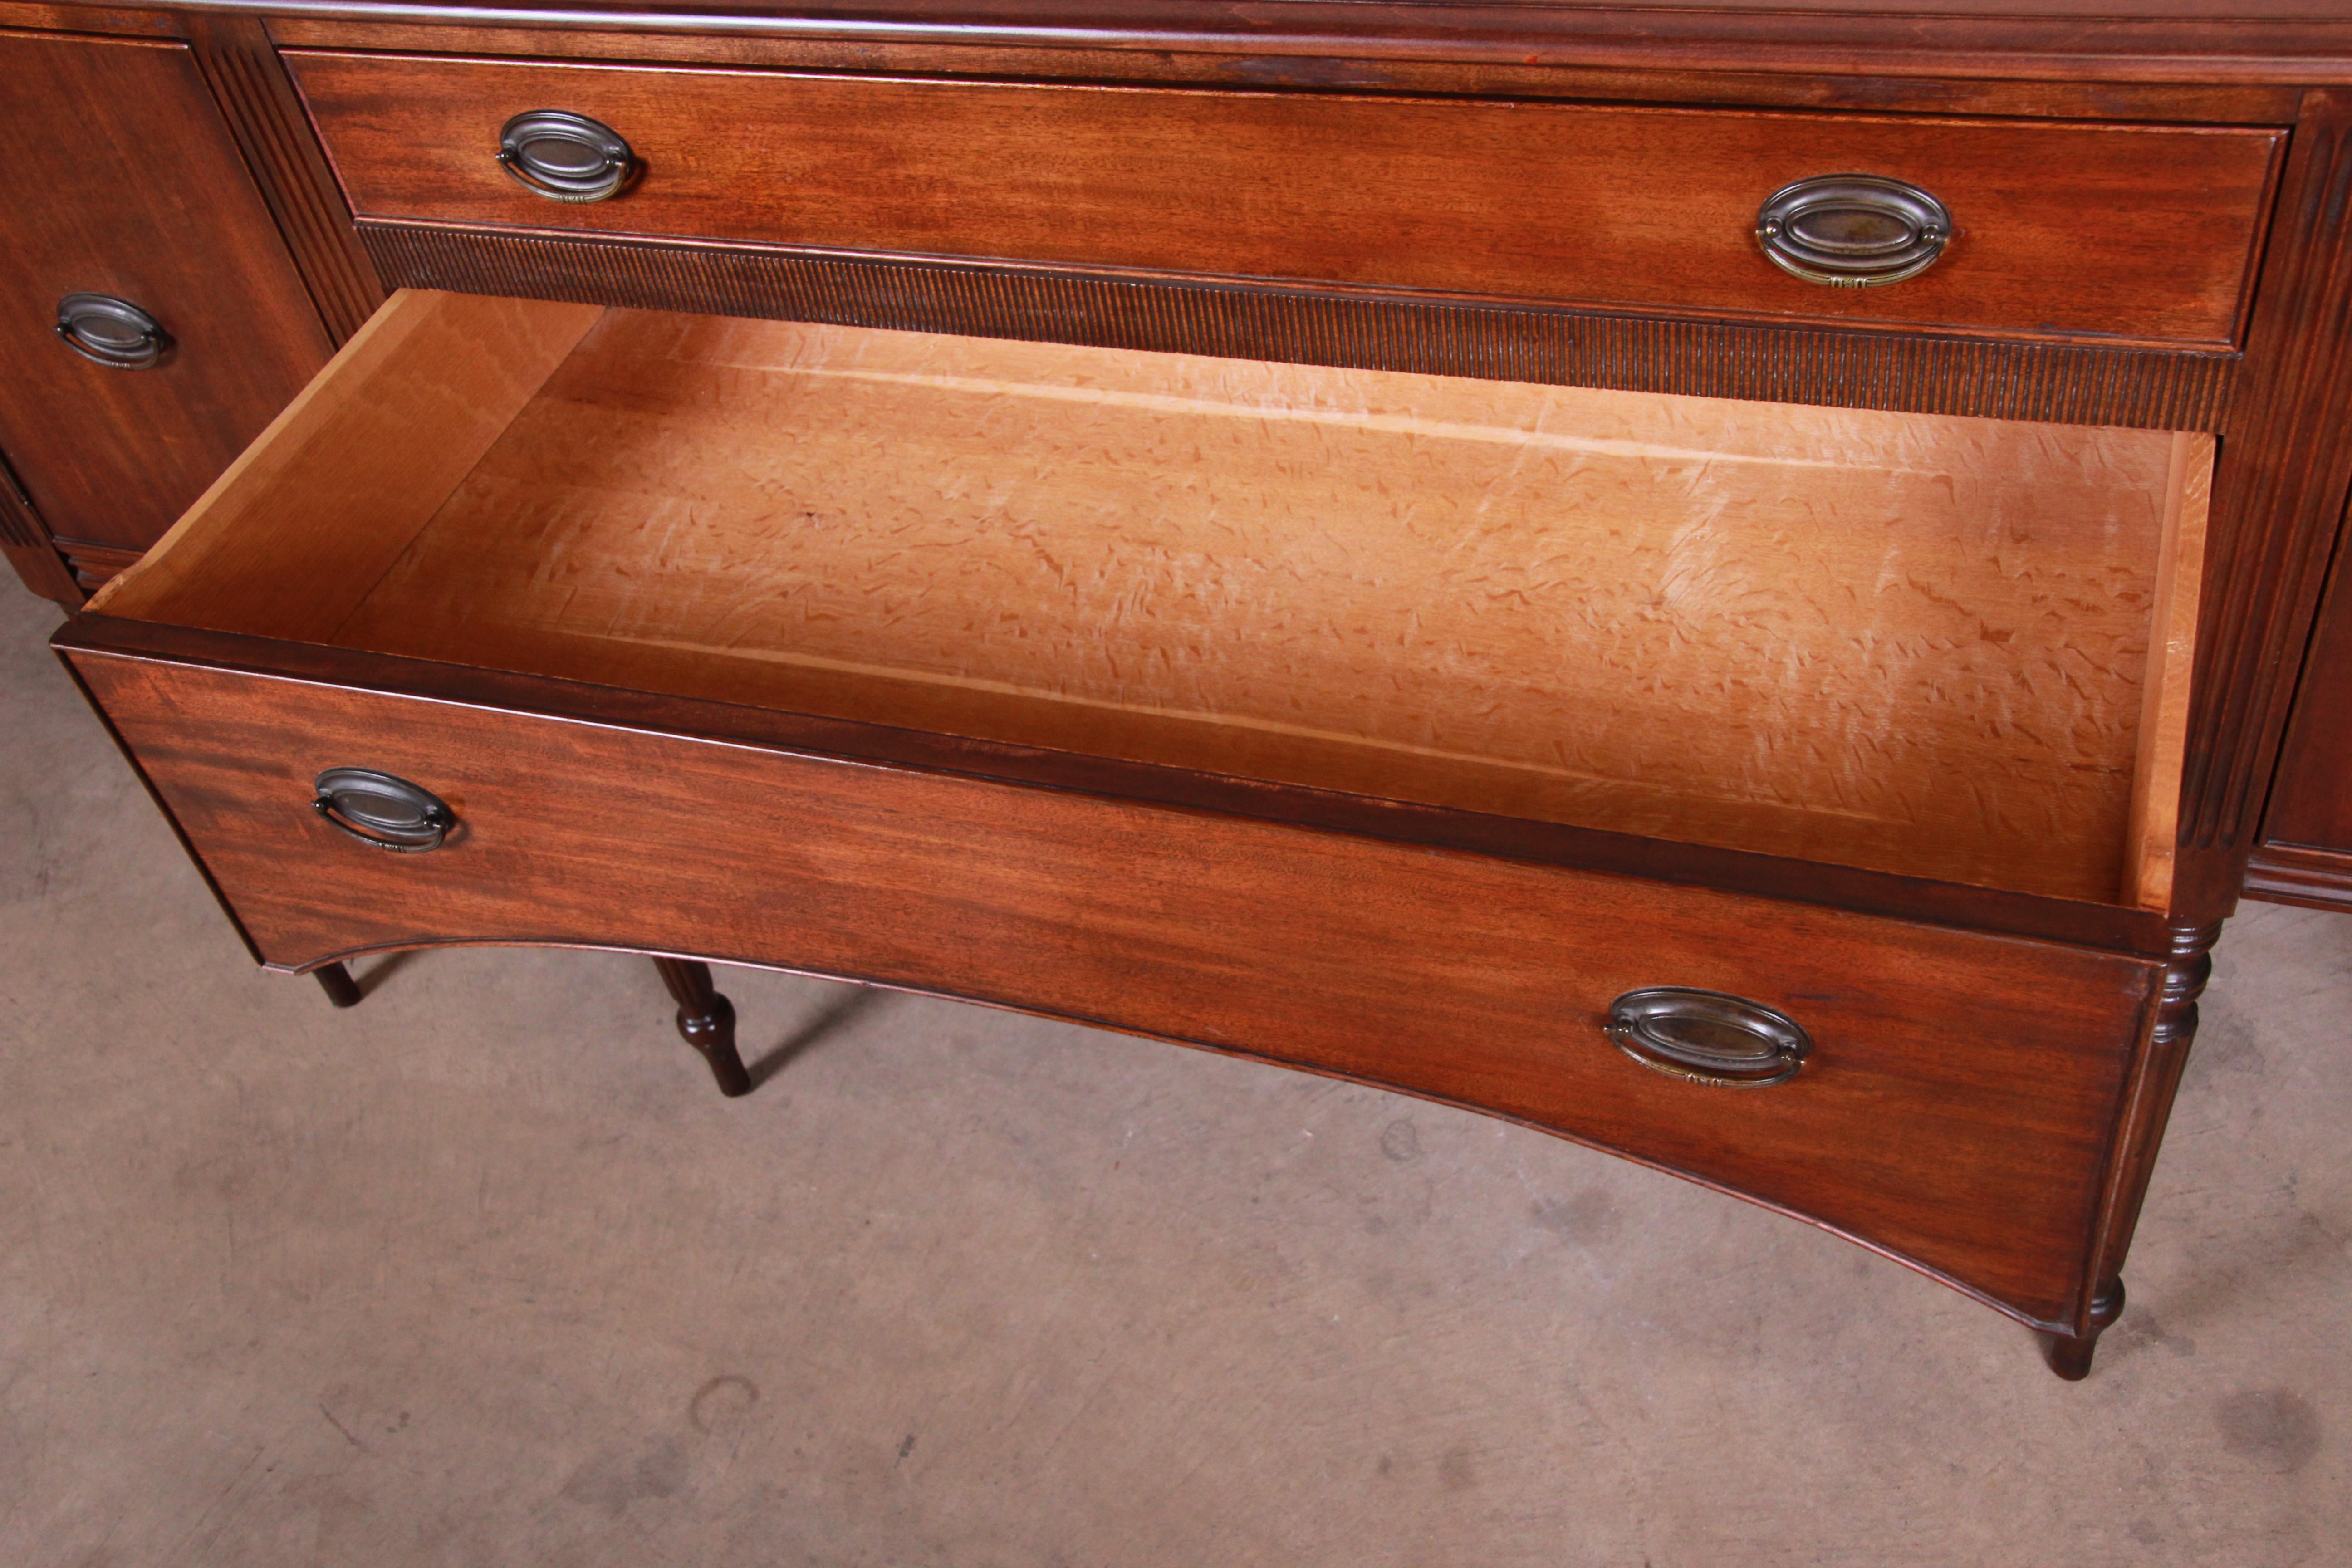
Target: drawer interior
[[1949, 647]]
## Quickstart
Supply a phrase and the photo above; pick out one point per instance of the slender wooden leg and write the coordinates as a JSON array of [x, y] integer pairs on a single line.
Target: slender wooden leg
[[2174, 1030], [706, 1020], [2069, 1355], [337, 982]]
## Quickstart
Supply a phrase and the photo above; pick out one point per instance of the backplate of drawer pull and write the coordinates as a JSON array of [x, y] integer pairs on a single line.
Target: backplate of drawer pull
[[1853, 231], [1706, 1036], [383, 812], [566, 157], [111, 332]]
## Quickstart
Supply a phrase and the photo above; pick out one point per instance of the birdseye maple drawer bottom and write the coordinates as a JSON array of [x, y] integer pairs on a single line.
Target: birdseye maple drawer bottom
[[1955, 1107]]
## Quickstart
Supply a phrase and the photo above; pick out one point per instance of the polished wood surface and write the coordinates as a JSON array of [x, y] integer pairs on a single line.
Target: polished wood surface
[[2108, 926], [2097, 41], [258, 101], [2305, 855], [1936, 1120], [24, 541], [2162, 741], [705, 1020], [1576, 606], [1369, 932], [371, 446], [1630, 207], [2054, 383], [2280, 490], [123, 180], [1290, 62]]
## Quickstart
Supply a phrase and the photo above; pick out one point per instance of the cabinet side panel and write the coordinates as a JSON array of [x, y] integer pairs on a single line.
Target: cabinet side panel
[[2279, 494], [2305, 855]]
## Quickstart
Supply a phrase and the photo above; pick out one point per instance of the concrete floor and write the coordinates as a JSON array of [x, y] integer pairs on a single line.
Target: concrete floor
[[484, 1273]]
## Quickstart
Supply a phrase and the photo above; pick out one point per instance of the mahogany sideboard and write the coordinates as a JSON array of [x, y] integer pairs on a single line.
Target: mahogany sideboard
[[1740, 584]]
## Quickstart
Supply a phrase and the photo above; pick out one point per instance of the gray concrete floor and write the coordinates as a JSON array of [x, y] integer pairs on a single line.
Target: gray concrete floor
[[484, 1273]]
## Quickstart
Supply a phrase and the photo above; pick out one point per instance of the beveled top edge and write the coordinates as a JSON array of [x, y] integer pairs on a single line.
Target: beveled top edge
[[2281, 42]]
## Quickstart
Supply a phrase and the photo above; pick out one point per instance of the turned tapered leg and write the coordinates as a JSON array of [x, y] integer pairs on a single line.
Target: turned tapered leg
[[337, 982], [2174, 1030], [706, 1020], [2069, 1355]]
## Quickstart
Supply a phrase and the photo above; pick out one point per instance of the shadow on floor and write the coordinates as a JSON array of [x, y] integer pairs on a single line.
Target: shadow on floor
[[841, 1010]]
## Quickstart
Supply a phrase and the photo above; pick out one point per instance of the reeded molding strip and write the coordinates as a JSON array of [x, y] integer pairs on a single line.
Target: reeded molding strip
[[249, 85], [2054, 382]]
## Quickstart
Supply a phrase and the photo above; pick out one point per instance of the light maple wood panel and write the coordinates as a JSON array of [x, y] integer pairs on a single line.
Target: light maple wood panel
[[1904, 642], [325, 500]]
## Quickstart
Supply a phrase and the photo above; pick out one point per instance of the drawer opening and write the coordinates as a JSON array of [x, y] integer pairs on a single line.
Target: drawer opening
[[1955, 649]]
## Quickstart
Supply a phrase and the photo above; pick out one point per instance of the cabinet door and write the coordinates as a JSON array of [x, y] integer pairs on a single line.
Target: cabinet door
[[123, 182]]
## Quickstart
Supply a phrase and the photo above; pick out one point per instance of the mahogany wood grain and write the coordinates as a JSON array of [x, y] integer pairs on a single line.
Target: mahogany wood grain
[[24, 540], [2280, 493], [1287, 64], [96, 565], [1918, 373], [1936, 1121], [71, 16], [123, 180], [258, 101], [2130, 233], [332, 492], [2156, 1082], [2290, 874], [2106, 925], [2307, 850], [2263, 42]]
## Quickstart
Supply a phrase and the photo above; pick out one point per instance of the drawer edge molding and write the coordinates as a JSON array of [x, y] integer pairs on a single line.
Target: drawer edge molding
[[2314, 878], [1899, 371]]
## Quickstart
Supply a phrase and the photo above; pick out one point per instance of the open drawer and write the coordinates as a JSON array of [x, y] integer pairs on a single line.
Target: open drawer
[[1948, 649], [617, 587]]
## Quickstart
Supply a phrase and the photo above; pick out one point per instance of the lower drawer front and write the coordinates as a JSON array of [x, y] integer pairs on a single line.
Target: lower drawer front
[[1955, 1110]]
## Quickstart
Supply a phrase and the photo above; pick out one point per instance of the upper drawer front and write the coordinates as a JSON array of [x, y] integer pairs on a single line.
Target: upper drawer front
[[1955, 1109], [2070, 230]]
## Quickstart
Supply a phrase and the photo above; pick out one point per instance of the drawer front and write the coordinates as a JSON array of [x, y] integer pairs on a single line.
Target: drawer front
[[1955, 1110], [124, 181], [2132, 232]]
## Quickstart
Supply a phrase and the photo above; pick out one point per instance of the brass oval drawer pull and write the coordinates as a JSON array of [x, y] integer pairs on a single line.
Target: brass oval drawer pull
[[1853, 231], [565, 157], [383, 812], [111, 332], [1705, 1037]]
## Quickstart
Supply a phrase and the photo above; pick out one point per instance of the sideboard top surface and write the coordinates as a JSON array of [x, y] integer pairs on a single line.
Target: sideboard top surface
[[2282, 42]]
